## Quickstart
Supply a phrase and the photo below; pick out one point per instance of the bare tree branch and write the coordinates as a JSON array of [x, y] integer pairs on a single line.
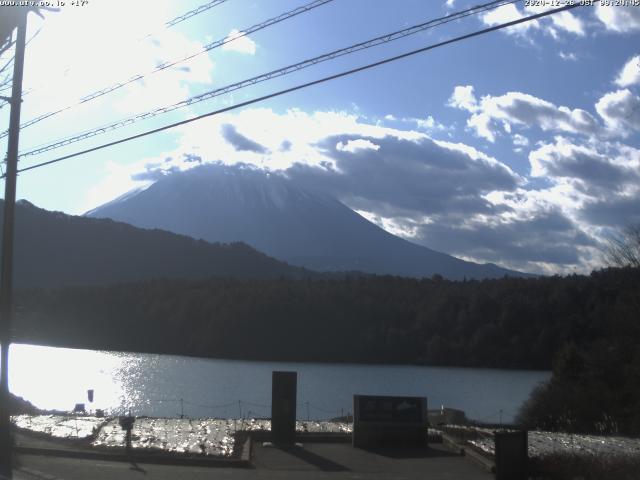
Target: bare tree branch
[[624, 248], [9, 21], [6, 65], [6, 46]]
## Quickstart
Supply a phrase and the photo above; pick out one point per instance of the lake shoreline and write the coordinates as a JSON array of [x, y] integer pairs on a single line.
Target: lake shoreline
[[159, 385], [238, 358]]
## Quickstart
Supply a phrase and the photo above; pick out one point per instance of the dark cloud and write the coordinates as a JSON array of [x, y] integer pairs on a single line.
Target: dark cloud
[[192, 158], [597, 170], [285, 146], [154, 174], [618, 211], [405, 176], [592, 168], [548, 237], [239, 141], [595, 173], [530, 110]]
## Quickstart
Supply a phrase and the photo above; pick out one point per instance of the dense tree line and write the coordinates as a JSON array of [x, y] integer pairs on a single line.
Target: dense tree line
[[595, 386], [584, 327], [508, 323], [593, 389]]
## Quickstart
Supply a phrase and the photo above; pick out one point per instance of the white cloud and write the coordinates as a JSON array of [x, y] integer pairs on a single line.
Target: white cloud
[[97, 60], [493, 114], [429, 124], [630, 73], [353, 146], [576, 185], [530, 230], [577, 189], [620, 111], [568, 56], [596, 184], [369, 157], [478, 156], [520, 140], [598, 165], [464, 98], [446, 195], [237, 41], [403, 228], [301, 132], [564, 21], [621, 19], [509, 13]]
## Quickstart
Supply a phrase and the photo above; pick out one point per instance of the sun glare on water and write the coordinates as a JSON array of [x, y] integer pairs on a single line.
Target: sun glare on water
[[58, 378]]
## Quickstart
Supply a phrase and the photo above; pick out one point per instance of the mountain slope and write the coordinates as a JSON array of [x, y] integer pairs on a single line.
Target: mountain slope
[[54, 249], [272, 214]]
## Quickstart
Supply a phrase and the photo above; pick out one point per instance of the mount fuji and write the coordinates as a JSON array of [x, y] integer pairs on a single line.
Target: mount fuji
[[273, 214]]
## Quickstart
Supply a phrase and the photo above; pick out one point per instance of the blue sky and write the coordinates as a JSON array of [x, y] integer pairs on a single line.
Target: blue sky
[[520, 147]]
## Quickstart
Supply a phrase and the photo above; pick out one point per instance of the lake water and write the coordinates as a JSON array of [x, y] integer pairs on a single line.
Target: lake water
[[167, 385]]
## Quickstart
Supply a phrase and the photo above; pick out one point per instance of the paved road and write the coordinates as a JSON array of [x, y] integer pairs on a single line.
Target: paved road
[[314, 461], [58, 468]]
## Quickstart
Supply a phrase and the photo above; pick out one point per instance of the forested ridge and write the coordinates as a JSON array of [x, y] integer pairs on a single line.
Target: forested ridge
[[506, 323], [90, 251]]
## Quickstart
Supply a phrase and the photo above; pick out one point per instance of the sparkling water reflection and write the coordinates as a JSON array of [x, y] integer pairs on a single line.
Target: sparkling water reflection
[[166, 385]]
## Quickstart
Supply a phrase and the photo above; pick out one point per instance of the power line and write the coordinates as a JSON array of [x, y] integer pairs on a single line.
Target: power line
[[193, 13], [6, 65], [389, 37], [170, 63], [246, 31], [8, 86], [309, 84], [181, 18]]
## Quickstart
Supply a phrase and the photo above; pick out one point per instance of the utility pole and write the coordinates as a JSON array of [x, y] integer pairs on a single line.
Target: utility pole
[[6, 275]]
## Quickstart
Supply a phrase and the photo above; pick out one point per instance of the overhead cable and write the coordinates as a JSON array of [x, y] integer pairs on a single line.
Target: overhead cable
[[170, 63], [389, 37], [309, 84], [180, 18], [193, 13]]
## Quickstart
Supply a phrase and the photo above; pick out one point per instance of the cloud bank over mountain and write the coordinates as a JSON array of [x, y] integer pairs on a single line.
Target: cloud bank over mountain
[[447, 196], [531, 180]]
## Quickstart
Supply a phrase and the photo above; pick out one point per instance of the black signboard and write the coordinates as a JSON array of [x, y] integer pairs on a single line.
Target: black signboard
[[283, 407], [390, 409], [379, 420], [511, 454]]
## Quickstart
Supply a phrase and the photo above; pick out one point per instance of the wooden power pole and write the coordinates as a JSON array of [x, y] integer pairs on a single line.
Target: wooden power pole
[[6, 274]]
